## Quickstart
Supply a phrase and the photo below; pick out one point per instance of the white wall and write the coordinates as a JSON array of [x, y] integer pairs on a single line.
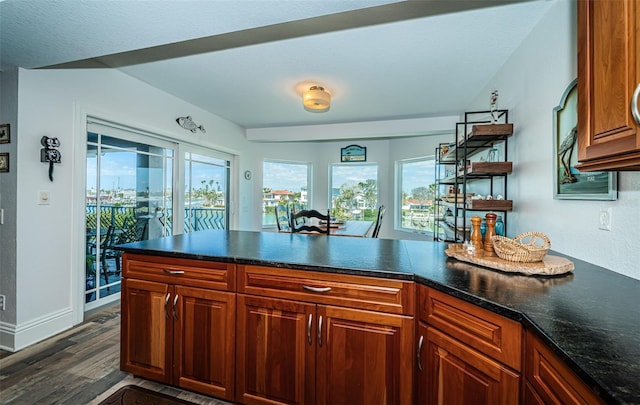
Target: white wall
[[8, 186], [49, 238], [531, 84]]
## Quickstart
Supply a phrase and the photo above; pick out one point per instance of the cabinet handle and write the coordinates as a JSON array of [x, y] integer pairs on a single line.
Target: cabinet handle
[[419, 351], [316, 289], [320, 331], [634, 104], [173, 272], [166, 303], [309, 329], [175, 302]]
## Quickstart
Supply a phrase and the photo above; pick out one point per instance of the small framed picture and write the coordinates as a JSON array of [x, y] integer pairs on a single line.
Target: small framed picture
[[353, 153], [5, 134], [4, 162]]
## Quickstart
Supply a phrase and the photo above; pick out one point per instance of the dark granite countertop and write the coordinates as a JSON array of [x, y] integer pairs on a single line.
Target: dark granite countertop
[[590, 317]]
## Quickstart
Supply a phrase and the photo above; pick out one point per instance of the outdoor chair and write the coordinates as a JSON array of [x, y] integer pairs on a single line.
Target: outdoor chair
[[282, 218], [376, 226]]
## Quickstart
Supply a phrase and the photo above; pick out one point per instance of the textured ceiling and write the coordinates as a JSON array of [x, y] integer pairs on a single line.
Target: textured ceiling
[[248, 61]]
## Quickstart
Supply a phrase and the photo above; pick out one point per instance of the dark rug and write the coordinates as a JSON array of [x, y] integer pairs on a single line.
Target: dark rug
[[132, 394]]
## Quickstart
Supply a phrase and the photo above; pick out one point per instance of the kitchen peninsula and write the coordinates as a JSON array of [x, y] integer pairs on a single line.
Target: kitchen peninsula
[[586, 322]]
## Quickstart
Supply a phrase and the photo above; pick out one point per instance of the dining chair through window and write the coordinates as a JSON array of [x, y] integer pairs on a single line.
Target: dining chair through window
[[376, 227], [301, 221]]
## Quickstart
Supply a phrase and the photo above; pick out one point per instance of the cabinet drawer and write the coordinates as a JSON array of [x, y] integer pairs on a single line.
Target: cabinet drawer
[[488, 332], [551, 379], [194, 273], [376, 294]]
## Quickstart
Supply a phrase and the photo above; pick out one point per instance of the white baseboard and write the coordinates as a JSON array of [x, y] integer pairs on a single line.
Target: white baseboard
[[16, 337]]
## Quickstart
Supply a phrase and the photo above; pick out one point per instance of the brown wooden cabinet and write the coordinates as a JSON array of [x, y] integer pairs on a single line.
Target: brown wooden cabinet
[[323, 338], [608, 85], [175, 333], [465, 354], [549, 380]]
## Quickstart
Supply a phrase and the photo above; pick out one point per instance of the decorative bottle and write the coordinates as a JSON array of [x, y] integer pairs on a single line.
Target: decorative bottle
[[483, 228], [499, 228], [491, 231]]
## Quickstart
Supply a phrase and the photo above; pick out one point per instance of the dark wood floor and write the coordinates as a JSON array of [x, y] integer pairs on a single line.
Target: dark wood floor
[[79, 366]]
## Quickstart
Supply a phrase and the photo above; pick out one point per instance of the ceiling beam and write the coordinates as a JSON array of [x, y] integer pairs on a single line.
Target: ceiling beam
[[388, 13]]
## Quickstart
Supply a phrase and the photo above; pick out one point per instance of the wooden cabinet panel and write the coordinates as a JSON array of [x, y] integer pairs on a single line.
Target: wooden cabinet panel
[[457, 374], [551, 380], [204, 348], [177, 334], [608, 74], [488, 332], [276, 351], [145, 330], [195, 273], [385, 295], [363, 357]]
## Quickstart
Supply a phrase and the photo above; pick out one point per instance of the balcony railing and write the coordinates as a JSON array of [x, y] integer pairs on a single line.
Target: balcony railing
[[195, 219]]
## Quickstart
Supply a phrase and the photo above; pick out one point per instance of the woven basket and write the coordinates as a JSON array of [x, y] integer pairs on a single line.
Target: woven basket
[[527, 247]]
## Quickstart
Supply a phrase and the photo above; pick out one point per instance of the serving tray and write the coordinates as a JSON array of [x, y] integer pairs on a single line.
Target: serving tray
[[549, 266]]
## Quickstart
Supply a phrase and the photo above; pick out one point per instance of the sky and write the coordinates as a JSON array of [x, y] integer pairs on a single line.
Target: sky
[[119, 171], [286, 176]]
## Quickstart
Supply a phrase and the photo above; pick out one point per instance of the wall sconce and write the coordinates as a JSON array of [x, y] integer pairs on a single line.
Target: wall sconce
[[50, 154], [316, 99]]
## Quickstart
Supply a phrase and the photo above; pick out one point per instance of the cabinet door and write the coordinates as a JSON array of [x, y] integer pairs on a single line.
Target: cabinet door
[[276, 344], [204, 340], [146, 330], [608, 74], [550, 379], [363, 357], [457, 374]]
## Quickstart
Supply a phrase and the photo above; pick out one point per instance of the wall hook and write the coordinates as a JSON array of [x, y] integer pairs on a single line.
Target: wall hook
[[50, 154]]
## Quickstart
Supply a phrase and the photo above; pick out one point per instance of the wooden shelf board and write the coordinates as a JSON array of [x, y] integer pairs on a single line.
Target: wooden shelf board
[[490, 168], [490, 205], [492, 130], [482, 135]]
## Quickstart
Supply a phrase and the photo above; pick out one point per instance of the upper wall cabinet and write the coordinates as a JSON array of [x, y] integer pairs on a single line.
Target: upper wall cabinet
[[608, 85]]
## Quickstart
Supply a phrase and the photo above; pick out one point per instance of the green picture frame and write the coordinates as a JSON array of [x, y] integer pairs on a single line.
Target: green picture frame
[[353, 153], [569, 182]]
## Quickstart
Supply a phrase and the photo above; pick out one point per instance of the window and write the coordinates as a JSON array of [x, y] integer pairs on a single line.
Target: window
[[206, 196], [354, 191], [416, 194], [283, 183]]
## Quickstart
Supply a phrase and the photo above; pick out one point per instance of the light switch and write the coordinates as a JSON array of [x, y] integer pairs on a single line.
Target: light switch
[[43, 198]]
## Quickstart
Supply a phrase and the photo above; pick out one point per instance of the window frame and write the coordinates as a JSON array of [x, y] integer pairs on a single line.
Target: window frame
[[399, 165], [309, 198], [352, 165]]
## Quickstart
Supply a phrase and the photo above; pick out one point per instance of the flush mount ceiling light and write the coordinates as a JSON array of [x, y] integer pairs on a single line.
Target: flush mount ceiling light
[[316, 99]]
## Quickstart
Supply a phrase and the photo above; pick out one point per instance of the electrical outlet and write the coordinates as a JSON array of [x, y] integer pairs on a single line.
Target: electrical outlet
[[605, 219], [2, 300]]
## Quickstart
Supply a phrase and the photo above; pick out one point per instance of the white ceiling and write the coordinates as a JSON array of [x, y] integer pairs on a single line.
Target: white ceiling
[[248, 61]]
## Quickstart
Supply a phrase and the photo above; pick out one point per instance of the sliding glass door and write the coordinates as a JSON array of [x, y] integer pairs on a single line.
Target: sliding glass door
[[129, 197]]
